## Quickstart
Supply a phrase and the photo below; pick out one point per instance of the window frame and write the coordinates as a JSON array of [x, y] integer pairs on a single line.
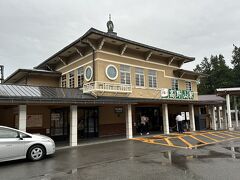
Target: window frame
[[175, 83], [80, 77], [139, 75], [153, 79], [124, 74], [71, 79], [187, 83], [64, 81]]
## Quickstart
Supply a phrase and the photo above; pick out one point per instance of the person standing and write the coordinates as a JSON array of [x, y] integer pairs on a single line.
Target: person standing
[[143, 124], [179, 120], [147, 125]]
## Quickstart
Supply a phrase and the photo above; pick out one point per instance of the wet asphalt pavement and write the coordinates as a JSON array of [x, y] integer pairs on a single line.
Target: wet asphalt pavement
[[131, 160]]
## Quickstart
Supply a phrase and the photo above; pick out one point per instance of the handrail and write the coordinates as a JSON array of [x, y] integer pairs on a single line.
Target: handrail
[[106, 87]]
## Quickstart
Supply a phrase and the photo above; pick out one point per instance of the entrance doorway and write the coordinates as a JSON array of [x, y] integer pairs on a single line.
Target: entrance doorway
[[154, 115], [88, 122], [59, 128]]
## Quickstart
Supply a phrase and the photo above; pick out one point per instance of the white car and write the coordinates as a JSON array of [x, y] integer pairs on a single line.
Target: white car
[[16, 144]]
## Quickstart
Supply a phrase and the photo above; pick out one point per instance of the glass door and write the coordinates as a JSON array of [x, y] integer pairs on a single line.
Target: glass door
[[88, 122], [59, 124]]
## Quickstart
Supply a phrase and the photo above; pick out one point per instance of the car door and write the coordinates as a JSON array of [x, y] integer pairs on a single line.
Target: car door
[[11, 146]]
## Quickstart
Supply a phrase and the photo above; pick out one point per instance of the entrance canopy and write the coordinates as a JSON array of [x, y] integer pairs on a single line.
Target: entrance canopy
[[230, 91], [227, 92]]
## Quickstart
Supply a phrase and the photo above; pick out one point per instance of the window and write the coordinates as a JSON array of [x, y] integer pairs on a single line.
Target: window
[[80, 77], [111, 72], [125, 73], [152, 78], [175, 84], [188, 85], [7, 133], [63, 80], [71, 79], [139, 77], [88, 73]]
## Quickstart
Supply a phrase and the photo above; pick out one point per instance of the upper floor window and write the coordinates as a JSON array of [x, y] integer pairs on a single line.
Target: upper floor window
[[111, 72], [175, 84], [71, 79], [152, 78], [64, 80], [139, 73], [125, 73], [188, 85], [80, 77]]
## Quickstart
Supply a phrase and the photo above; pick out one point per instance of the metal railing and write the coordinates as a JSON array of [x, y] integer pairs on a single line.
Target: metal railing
[[99, 86]]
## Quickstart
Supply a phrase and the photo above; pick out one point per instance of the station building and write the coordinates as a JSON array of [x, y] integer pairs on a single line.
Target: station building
[[100, 85]]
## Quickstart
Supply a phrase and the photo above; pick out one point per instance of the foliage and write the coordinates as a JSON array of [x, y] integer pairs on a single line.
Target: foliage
[[219, 74]]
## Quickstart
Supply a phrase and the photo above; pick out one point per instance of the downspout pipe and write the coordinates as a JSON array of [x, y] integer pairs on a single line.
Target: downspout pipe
[[93, 60]]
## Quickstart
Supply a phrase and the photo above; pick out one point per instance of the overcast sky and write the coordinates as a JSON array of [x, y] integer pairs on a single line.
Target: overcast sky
[[31, 30]]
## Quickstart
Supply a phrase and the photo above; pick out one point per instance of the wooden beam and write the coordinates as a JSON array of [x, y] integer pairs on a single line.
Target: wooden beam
[[61, 59], [181, 75], [123, 49], [91, 44], [181, 63], [171, 60], [49, 67], [78, 51], [101, 43], [148, 55]]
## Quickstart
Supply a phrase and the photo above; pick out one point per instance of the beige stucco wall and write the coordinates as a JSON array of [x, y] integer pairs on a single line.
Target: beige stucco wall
[[38, 80], [43, 81], [164, 75], [103, 59]]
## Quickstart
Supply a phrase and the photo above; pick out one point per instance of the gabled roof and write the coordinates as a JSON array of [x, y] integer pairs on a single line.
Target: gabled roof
[[20, 73], [82, 41]]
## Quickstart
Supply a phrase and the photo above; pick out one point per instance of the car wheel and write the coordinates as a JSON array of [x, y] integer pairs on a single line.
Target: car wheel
[[36, 152]]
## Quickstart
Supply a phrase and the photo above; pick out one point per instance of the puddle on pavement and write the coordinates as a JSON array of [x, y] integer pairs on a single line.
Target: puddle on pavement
[[175, 159], [180, 160]]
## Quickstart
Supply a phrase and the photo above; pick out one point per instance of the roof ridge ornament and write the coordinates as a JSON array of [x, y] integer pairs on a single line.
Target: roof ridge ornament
[[110, 26]]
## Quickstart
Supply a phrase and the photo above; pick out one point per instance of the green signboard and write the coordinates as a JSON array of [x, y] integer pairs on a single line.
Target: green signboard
[[177, 94]]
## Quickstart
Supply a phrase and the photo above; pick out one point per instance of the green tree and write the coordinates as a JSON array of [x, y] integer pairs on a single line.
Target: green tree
[[219, 74], [236, 65]]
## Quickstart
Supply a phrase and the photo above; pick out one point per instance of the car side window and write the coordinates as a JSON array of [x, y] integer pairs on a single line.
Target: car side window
[[8, 133]]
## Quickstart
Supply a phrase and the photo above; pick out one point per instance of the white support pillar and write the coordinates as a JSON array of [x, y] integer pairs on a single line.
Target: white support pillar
[[213, 113], [228, 112], [236, 111], [129, 133], [219, 117], [73, 125], [224, 116], [191, 116], [22, 118], [165, 118]]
